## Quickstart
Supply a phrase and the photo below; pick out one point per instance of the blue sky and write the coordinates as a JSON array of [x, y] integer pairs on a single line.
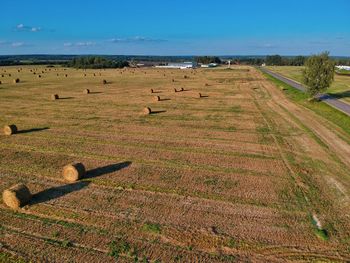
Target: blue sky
[[175, 27]]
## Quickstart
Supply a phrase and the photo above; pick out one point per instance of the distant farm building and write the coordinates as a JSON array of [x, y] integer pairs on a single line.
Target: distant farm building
[[343, 67], [181, 65], [210, 65]]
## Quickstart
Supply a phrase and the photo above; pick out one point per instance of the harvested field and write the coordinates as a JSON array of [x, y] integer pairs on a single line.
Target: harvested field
[[239, 175]]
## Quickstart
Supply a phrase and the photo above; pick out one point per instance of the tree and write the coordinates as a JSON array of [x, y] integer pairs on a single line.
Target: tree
[[318, 74], [208, 60], [96, 62], [275, 60]]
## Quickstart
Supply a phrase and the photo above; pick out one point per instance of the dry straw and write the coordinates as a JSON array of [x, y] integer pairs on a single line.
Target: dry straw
[[73, 172], [16, 196], [54, 97], [10, 129], [86, 91], [16, 81], [156, 98]]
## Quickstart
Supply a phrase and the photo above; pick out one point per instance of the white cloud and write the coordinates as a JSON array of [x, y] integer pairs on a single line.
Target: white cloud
[[17, 44], [136, 39], [85, 44], [26, 28], [79, 44]]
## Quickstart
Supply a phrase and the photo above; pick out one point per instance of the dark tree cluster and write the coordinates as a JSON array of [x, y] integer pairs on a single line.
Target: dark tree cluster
[[96, 62], [277, 60], [208, 60]]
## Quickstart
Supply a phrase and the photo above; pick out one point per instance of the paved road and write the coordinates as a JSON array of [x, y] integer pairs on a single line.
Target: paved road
[[334, 102]]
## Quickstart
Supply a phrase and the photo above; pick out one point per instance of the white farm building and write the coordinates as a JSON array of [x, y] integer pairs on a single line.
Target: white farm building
[[181, 65], [343, 67]]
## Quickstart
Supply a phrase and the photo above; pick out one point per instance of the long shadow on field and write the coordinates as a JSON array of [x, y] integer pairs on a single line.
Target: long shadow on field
[[57, 192], [341, 95], [33, 130], [106, 169], [66, 98], [157, 111], [95, 92]]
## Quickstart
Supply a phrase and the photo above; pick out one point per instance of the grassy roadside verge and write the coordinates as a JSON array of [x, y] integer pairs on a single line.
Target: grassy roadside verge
[[333, 115]]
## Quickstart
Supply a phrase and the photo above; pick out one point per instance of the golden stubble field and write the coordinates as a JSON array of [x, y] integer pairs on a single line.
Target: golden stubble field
[[234, 175]]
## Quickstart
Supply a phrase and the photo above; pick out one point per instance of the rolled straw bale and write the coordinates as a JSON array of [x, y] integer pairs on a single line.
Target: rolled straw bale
[[147, 111], [73, 172], [10, 129], [16, 196]]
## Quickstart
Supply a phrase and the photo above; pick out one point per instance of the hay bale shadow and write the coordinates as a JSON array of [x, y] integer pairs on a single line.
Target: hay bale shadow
[[95, 92], [157, 112], [164, 99], [33, 130], [106, 169], [66, 98], [57, 192]]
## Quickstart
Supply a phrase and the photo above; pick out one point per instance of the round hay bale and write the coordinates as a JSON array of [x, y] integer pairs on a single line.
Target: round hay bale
[[147, 111], [16, 81], [173, 80], [199, 95], [54, 97], [9, 74], [73, 172], [16, 196], [2, 75], [39, 76], [152, 91], [182, 89], [104, 82], [0, 82], [156, 98], [66, 75], [86, 91], [175, 90], [57, 74], [10, 129], [206, 84]]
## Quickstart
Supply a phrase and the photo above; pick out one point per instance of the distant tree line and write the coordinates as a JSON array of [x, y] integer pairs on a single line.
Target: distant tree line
[[277, 60], [96, 62], [208, 60]]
